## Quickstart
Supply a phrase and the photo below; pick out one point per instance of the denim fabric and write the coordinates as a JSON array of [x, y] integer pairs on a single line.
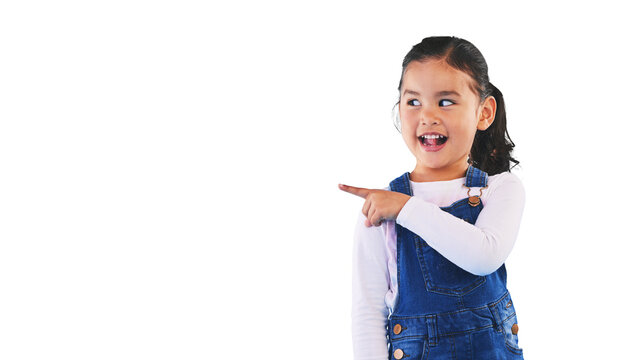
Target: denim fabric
[[443, 311]]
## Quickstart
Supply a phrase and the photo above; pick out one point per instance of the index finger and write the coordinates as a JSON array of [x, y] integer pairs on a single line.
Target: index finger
[[361, 192]]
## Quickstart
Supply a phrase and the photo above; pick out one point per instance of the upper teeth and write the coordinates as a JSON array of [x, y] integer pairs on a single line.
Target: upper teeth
[[433, 136]]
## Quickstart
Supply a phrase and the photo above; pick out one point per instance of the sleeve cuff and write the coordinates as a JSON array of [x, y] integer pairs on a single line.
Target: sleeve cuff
[[414, 205]]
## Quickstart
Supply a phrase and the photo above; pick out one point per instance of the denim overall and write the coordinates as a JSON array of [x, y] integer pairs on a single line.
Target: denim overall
[[443, 311]]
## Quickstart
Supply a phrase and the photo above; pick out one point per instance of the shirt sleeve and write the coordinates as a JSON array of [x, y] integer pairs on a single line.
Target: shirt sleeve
[[480, 248], [369, 285]]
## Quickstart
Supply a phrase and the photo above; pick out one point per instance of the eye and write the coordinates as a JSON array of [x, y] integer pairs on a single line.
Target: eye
[[451, 103], [413, 102]]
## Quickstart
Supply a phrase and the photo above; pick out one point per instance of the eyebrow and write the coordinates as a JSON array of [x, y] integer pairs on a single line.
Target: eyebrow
[[439, 93]]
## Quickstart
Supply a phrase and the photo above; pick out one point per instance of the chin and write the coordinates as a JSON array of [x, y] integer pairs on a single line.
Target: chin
[[431, 163], [437, 164]]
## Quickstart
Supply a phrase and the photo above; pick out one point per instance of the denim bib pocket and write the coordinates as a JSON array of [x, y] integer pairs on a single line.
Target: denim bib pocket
[[441, 275]]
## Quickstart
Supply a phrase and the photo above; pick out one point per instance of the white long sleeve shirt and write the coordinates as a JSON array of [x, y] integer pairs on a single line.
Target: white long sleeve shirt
[[479, 249]]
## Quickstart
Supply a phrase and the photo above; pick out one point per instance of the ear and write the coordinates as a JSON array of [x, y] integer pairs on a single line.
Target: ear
[[486, 115]]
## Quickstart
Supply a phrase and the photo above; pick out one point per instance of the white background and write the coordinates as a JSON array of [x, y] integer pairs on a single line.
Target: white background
[[169, 170]]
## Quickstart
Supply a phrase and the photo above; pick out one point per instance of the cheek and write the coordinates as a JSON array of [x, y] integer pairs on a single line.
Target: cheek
[[467, 128], [408, 129], [468, 136], [409, 135], [407, 121]]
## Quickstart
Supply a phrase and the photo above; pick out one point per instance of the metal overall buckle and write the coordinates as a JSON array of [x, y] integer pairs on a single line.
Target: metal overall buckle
[[475, 200]]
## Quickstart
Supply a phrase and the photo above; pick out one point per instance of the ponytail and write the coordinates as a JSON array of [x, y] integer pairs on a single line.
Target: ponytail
[[492, 148]]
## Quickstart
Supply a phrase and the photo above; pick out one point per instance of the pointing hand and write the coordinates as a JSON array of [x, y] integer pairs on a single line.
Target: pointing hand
[[380, 205]]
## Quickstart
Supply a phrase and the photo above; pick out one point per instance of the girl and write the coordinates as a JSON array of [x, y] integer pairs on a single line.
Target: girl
[[431, 282]]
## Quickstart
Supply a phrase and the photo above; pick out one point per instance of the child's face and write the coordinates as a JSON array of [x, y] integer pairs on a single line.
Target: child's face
[[455, 116]]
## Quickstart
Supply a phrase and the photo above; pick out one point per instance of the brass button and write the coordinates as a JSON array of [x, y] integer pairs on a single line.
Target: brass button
[[397, 329], [398, 354], [514, 329], [474, 200]]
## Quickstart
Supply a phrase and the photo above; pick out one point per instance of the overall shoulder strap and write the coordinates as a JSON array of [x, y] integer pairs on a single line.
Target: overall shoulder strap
[[401, 184], [476, 177]]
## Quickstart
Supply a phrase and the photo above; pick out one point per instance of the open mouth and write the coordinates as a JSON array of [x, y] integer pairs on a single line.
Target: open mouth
[[433, 140]]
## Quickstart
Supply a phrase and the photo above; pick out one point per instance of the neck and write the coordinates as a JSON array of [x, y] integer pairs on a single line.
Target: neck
[[424, 174]]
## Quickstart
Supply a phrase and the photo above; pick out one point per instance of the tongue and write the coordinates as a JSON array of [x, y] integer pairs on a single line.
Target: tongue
[[431, 142]]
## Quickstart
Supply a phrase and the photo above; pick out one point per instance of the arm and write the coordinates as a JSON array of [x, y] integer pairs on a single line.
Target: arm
[[480, 248], [369, 285]]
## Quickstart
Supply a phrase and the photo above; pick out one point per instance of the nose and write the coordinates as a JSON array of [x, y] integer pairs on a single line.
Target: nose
[[429, 116]]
